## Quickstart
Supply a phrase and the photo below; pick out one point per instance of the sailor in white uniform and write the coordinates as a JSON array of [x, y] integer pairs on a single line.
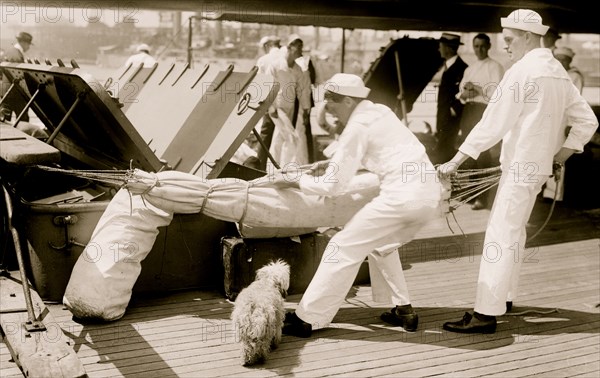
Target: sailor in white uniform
[[536, 101], [371, 136]]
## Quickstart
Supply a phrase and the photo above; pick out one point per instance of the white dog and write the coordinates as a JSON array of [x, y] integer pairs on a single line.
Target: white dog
[[258, 312]]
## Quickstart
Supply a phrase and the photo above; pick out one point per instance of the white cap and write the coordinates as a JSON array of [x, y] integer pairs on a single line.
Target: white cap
[[347, 85], [143, 47], [264, 40], [566, 51], [293, 38], [268, 38], [526, 20]]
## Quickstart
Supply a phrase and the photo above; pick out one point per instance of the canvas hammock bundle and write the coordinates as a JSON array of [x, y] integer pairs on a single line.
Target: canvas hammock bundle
[[103, 277], [102, 280]]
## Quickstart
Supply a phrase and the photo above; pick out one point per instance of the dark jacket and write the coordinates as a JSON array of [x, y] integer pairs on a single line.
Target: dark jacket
[[14, 102], [447, 91], [14, 55]]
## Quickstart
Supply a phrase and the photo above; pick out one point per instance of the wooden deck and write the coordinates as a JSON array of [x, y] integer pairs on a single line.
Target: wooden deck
[[189, 334]]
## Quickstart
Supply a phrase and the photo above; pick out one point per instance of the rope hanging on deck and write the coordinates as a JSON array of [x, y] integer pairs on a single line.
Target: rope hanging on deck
[[528, 312]]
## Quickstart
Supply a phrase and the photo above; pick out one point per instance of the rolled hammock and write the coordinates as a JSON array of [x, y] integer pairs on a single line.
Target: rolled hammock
[[101, 283]]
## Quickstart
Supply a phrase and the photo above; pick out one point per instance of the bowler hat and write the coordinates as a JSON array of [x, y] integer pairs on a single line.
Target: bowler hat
[[450, 39], [24, 37], [553, 33]]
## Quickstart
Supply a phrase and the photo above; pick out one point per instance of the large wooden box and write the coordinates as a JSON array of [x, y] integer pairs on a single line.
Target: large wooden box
[[177, 118], [242, 257]]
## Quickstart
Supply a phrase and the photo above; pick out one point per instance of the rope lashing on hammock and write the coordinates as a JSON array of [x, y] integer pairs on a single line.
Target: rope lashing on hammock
[[464, 186], [120, 178], [461, 187], [468, 184], [112, 177], [123, 178]]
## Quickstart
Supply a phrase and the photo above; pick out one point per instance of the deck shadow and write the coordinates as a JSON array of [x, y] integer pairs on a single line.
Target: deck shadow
[[114, 343], [511, 329], [565, 225]]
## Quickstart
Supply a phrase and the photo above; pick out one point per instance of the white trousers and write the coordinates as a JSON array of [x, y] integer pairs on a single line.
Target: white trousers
[[504, 244], [380, 223]]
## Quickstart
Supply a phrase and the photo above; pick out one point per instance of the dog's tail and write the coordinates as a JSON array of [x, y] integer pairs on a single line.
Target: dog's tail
[[255, 328], [254, 333]]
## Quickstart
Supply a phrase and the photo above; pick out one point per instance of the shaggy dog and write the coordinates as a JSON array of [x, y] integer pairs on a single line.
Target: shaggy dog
[[258, 312]]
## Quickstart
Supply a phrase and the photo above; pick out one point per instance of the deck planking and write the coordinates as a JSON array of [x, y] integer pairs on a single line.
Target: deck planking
[[188, 334]]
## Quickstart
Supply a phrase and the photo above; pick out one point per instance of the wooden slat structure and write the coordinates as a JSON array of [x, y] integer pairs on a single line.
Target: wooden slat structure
[[39, 346], [189, 334]]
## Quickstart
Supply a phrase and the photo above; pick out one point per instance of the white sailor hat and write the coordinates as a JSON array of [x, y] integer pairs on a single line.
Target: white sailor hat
[[293, 38], [566, 51], [347, 85], [526, 20], [268, 38], [143, 47], [263, 40]]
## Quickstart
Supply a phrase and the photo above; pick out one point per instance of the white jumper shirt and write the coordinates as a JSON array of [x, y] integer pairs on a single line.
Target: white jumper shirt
[[487, 73], [530, 115], [377, 140]]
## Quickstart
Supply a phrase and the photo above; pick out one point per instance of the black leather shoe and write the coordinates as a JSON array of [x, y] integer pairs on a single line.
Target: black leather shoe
[[508, 306], [476, 323], [294, 326], [403, 316]]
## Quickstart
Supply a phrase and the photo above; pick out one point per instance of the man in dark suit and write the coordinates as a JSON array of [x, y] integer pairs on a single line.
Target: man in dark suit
[[14, 102], [448, 106]]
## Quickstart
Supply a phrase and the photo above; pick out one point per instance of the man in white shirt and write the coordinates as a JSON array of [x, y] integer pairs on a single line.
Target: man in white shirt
[[143, 57], [271, 45], [283, 140], [565, 56], [477, 88], [371, 136], [536, 102]]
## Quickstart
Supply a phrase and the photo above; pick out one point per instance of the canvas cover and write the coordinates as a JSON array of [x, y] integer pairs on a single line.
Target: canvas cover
[[417, 62]]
